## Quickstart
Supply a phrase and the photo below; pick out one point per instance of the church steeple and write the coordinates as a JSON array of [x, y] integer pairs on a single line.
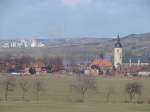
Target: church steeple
[[118, 53], [118, 43], [118, 38]]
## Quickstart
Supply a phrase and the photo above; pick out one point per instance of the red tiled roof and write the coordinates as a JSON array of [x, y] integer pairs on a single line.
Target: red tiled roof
[[39, 64], [103, 63]]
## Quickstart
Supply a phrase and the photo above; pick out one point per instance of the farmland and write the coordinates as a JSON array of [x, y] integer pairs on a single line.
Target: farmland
[[59, 98]]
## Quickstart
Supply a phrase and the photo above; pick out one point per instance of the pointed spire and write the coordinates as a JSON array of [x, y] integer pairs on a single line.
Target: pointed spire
[[118, 38], [118, 43]]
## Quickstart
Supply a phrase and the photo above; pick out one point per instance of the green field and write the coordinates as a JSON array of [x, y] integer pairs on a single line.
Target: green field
[[59, 98]]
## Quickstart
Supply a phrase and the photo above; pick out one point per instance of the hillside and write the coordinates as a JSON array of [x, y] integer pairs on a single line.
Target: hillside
[[135, 44], [84, 48]]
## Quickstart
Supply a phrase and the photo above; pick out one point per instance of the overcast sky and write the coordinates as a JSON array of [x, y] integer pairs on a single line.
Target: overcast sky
[[73, 18]]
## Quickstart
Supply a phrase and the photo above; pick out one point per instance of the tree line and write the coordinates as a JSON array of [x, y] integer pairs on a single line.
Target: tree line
[[10, 63]]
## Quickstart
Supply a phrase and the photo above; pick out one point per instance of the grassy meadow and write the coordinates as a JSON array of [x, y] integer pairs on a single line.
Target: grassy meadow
[[58, 96]]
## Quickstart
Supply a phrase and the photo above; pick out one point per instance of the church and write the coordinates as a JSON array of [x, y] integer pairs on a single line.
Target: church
[[128, 61], [100, 66]]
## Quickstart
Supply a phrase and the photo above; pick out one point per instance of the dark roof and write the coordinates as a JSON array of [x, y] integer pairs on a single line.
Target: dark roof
[[134, 59], [118, 43]]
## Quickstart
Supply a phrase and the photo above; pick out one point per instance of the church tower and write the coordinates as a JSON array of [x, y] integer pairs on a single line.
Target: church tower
[[118, 53]]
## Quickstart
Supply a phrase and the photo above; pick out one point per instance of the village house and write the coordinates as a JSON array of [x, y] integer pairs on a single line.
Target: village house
[[40, 67], [144, 72], [101, 67]]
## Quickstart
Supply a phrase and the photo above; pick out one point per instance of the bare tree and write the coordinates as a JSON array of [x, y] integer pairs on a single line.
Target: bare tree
[[59, 63], [82, 84], [8, 85], [54, 64], [109, 92], [133, 89], [39, 87], [24, 86]]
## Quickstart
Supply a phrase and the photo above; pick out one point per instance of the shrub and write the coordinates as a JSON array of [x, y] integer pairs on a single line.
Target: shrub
[[82, 84], [134, 74], [8, 85], [133, 89], [32, 71], [109, 92], [24, 86], [39, 86], [140, 102]]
